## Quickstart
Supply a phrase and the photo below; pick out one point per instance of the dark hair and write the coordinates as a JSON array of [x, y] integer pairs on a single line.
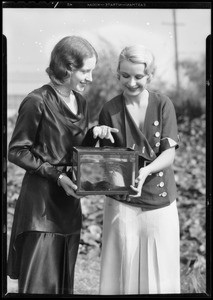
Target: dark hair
[[69, 54]]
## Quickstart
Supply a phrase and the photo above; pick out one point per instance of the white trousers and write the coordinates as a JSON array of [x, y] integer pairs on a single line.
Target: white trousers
[[140, 250]]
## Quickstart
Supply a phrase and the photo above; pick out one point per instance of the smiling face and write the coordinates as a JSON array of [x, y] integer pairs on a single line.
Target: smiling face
[[133, 78], [81, 77]]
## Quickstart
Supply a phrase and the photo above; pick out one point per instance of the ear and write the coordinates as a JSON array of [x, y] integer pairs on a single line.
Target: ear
[[150, 78], [70, 68], [69, 73]]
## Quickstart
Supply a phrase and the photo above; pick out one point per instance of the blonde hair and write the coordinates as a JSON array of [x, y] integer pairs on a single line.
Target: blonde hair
[[140, 55]]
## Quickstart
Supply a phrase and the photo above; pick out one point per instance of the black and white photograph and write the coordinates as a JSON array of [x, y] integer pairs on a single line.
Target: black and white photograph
[[105, 149]]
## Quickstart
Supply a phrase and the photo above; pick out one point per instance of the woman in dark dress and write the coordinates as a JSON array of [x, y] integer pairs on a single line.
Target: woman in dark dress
[[47, 221]]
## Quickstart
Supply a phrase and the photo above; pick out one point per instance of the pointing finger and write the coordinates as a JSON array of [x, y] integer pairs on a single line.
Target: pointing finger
[[109, 135], [111, 138], [114, 129]]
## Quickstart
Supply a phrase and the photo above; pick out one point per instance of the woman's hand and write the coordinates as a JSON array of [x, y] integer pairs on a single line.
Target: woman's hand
[[164, 160], [69, 187], [104, 132], [139, 181]]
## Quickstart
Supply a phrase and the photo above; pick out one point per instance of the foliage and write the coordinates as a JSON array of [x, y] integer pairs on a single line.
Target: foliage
[[194, 71], [190, 99]]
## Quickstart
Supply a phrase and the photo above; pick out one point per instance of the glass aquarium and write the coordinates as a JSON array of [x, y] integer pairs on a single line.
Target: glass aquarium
[[104, 170]]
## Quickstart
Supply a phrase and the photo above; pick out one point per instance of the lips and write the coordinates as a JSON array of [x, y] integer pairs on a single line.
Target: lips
[[132, 89]]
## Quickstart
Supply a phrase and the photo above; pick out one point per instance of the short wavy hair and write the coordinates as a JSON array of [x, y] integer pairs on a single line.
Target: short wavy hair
[[67, 55], [140, 55]]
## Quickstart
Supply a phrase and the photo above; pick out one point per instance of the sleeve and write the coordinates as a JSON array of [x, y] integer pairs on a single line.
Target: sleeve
[[89, 140], [20, 150], [105, 119], [169, 136]]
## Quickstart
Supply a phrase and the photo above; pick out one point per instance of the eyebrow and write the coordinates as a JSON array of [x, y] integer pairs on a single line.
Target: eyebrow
[[86, 70], [139, 74]]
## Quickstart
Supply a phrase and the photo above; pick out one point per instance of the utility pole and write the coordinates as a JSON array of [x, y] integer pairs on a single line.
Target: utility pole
[[176, 51], [176, 48]]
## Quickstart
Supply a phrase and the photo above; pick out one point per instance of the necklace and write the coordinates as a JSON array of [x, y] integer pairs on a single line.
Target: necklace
[[72, 104], [60, 93]]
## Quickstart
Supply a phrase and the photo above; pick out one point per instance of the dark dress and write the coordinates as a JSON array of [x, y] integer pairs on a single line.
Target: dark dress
[[46, 228]]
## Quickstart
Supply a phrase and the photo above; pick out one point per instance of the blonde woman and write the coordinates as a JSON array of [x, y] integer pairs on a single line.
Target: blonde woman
[[140, 243]]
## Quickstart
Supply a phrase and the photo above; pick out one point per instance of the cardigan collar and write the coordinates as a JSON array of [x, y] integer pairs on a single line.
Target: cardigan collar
[[135, 138]]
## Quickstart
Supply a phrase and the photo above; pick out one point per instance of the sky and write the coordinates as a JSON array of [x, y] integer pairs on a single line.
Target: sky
[[32, 33]]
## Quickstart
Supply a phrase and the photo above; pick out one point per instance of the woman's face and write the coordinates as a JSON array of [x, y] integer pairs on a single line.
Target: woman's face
[[81, 77], [132, 78]]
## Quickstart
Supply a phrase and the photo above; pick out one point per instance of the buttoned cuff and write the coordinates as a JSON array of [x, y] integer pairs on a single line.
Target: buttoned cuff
[[167, 143]]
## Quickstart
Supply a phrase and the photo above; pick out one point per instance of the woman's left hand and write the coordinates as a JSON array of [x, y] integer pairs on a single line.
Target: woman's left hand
[[139, 181], [104, 132]]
